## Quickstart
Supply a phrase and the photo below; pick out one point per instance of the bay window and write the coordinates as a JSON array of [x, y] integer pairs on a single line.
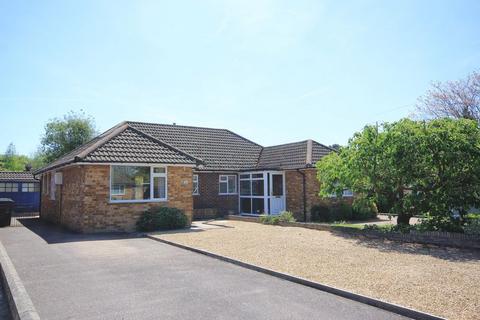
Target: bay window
[[138, 183]]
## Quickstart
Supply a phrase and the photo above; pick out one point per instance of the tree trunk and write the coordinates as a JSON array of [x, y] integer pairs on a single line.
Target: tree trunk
[[403, 219]]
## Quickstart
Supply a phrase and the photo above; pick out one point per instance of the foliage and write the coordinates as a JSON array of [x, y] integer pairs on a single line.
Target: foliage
[[320, 213], [162, 218], [455, 99], [473, 227], [440, 223], [285, 216], [364, 209], [342, 211], [62, 135], [416, 167], [11, 161]]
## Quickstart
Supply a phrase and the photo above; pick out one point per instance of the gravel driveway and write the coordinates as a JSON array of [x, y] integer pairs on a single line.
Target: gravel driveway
[[442, 281]]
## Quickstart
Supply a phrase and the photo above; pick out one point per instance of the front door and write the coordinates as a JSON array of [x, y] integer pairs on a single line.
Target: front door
[[277, 193]]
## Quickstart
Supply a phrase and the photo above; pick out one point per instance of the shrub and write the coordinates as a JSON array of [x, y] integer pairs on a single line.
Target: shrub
[[341, 212], [473, 227], [364, 209], [439, 223], [285, 216], [162, 218], [268, 219], [320, 213]]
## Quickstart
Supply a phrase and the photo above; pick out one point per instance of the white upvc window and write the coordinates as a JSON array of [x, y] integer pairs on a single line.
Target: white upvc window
[[227, 184], [138, 183], [195, 184]]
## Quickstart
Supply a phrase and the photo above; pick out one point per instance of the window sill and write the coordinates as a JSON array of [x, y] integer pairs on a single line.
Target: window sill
[[228, 194], [137, 201]]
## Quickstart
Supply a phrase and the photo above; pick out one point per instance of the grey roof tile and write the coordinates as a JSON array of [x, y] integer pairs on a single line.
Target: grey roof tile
[[220, 149], [291, 155], [209, 149], [22, 176]]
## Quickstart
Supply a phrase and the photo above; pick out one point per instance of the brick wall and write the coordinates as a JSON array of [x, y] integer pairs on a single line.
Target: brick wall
[[294, 189], [209, 203], [83, 202]]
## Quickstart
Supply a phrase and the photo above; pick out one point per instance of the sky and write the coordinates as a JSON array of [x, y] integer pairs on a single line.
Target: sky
[[271, 71]]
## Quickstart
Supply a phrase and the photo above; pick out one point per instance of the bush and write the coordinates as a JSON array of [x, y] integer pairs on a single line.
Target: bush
[[364, 209], [439, 223], [320, 213], [473, 227], [162, 218], [323, 213], [285, 216]]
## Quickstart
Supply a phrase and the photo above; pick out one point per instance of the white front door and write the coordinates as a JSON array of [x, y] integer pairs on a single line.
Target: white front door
[[277, 193]]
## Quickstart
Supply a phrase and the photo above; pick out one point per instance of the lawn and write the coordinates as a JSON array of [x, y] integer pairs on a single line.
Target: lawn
[[442, 281]]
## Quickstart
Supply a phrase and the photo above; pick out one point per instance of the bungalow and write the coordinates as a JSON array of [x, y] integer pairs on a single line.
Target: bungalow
[[107, 183]]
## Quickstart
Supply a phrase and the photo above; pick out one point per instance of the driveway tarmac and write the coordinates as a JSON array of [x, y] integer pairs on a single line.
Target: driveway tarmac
[[117, 276]]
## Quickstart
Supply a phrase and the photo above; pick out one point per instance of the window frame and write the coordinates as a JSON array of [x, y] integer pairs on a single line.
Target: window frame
[[228, 184], [195, 182], [152, 175], [10, 187], [30, 187]]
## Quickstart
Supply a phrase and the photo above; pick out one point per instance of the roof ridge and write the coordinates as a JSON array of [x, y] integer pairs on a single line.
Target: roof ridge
[[121, 127], [325, 146], [284, 144], [164, 143], [174, 125], [242, 137]]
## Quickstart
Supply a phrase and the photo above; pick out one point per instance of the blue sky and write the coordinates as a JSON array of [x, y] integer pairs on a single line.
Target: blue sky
[[272, 71]]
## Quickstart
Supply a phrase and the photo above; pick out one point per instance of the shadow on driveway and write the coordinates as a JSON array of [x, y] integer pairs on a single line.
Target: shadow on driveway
[[52, 233]]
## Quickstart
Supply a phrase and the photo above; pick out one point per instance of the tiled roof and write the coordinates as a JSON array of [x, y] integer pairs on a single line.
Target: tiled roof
[[220, 149], [134, 146], [209, 149], [21, 176], [294, 155], [111, 146]]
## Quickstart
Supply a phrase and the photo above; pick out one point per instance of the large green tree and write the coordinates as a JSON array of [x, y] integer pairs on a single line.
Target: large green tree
[[62, 135], [416, 167]]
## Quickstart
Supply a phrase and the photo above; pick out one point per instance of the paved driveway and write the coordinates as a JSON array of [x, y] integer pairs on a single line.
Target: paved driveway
[[118, 277]]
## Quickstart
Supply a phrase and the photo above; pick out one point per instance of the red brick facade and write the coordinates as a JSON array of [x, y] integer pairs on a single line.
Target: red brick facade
[[83, 204], [208, 203]]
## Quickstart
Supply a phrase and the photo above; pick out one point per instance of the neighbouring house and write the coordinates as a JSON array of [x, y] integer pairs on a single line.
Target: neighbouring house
[[107, 183], [21, 187]]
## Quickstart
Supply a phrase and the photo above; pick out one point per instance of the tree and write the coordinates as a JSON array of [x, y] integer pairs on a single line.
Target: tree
[[418, 167], [62, 135], [11, 161], [453, 99]]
